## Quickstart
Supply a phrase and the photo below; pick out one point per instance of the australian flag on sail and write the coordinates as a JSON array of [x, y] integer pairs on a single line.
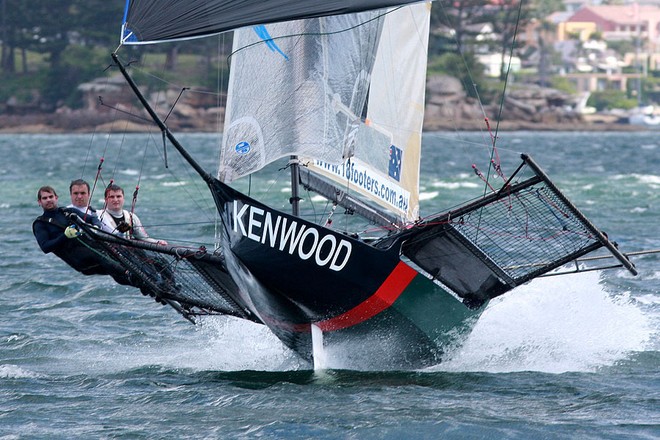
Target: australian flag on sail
[[396, 155]]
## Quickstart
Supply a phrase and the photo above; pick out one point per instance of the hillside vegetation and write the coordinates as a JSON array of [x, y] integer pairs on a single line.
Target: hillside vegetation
[[50, 47]]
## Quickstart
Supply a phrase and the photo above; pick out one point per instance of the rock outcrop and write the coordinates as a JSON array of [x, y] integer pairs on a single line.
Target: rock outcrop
[[447, 108], [529, 107]]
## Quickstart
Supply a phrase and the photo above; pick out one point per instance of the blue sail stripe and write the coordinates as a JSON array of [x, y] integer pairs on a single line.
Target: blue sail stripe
[[262, 32]]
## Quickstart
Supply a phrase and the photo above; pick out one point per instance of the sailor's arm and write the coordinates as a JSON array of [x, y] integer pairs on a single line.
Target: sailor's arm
[[141, 234], [46, 242]]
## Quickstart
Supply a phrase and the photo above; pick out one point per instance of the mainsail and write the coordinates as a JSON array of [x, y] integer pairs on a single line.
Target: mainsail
[[300, 88], [291, 91]]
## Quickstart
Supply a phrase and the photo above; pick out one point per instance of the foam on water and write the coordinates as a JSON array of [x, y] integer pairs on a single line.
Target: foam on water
[[230, 344], [129, 172], [428, 195], [454, 185], [650, 179], [219, 344], [9, 371], [555, 325]]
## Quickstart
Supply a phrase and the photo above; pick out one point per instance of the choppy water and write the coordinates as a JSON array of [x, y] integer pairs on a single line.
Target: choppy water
[[563, 357]]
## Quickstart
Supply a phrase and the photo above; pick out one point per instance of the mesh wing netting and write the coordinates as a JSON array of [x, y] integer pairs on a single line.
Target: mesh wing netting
[[487, 247], [192, 281]]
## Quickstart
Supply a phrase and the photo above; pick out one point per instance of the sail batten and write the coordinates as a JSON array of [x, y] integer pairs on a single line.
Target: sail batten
[[154, 21]]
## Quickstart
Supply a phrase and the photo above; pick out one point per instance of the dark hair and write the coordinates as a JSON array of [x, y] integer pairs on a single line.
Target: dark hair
[[45, 188], [113, 187], [78, 182]]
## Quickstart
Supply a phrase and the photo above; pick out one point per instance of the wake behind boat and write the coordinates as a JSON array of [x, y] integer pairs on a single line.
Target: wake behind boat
[[338, 90]]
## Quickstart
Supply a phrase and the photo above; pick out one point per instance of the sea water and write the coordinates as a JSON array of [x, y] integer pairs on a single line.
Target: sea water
[[574, 356]]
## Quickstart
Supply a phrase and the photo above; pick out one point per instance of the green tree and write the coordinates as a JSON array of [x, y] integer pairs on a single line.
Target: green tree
[[97, 22], [610, 99], [50, 28], [541, 9], [454, 21], [14, 14], [467, 69], [508, 18]]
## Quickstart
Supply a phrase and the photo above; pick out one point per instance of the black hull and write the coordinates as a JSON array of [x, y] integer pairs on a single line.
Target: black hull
[[417, 289]]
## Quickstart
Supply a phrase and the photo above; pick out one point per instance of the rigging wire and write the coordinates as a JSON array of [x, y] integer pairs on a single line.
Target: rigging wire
[[472, 85], [191, 178], [501, 107], [307, 34]]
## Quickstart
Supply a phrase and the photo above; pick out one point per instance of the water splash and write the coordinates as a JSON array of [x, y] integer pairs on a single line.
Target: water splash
[[555, 325]]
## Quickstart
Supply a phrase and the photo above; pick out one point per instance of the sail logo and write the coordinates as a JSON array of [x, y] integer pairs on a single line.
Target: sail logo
[[242, 148], [285, 235], [369, 182], [394, 168]]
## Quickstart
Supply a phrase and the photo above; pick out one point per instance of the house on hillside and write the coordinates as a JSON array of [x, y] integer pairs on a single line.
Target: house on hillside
[[615, 22], [596, 67]]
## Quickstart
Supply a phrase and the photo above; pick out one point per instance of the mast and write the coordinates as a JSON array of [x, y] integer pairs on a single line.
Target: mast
[[295, 185]]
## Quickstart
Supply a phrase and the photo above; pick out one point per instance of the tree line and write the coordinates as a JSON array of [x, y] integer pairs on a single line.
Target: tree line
[[51, 46]]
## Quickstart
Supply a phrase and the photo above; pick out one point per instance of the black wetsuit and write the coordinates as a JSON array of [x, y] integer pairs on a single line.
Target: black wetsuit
[[49, 228]]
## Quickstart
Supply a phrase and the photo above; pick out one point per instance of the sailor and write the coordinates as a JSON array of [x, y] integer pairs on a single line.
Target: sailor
[[55, 233], [128, 225], [80, 193], [121, 221]]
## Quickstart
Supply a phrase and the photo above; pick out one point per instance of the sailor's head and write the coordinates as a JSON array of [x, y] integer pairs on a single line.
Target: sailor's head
[[114, 197], [79, 190], [113, 187], [47, 198]]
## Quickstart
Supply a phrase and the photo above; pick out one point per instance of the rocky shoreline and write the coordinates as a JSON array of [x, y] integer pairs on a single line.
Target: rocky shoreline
[[447, 109], [81, 122]]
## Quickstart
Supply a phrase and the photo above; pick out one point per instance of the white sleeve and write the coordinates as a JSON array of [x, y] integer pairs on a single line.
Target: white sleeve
[[138, 230]]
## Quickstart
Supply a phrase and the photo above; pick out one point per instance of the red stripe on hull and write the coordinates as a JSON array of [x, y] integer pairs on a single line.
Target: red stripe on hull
[[387, 293]]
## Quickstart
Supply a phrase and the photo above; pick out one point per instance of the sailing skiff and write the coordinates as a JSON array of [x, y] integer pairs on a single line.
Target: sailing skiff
[[337, 89]]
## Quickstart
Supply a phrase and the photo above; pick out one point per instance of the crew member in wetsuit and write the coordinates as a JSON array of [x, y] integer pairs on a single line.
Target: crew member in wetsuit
[[55, 233]]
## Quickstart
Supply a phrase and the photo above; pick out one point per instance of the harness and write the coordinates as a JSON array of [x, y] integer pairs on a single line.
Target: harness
[[51, 220]]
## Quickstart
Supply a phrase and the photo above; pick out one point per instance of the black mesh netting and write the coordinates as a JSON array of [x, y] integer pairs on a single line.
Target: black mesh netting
[[525, 231], [192, 281], [487, 247]]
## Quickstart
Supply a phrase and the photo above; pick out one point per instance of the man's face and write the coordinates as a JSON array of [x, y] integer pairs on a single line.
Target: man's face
[[79, 196], [115, 200], [47, 200]]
